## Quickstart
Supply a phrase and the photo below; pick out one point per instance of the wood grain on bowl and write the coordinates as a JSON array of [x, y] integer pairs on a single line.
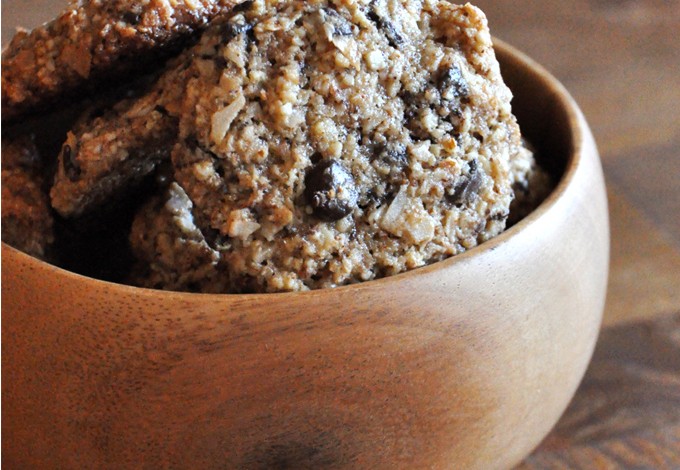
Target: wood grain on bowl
[[467, 363], [627, 411]]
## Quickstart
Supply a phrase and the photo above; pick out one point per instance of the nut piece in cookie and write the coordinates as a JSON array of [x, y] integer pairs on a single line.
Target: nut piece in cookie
[[27, 222], [96, 40]]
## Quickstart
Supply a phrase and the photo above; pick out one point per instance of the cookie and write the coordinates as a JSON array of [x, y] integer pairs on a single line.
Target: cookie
[[172, 253], [106, 155], [95, 40], [531, 184], [323, 143], [27, 222]]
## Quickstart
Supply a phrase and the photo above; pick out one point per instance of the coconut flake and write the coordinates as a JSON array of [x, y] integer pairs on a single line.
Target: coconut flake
[[406, 217], [241, 224], [222, 119]]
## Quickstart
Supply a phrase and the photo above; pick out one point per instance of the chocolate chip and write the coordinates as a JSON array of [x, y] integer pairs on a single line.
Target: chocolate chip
[[452, 84], [71, 168], [391, 160], [341, 26], [132, 18], [393, 36], [388, 28], [394, 155], [330, 190], [242, 7], [235, 27], [465, 191]]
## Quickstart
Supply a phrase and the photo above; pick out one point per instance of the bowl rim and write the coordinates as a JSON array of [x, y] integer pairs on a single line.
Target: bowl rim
[[573, 163]]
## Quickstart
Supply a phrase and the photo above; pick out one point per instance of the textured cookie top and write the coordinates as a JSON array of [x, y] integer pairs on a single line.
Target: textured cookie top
[[323, 143], [95, 39]]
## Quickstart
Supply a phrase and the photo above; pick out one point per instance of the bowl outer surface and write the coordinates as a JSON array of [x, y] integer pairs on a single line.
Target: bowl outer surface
[[467, 363]]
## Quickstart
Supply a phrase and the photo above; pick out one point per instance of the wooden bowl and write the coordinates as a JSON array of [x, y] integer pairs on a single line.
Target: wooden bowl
[[467, 363]]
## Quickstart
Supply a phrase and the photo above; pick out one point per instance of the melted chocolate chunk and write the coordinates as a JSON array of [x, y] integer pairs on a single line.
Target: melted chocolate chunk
[[394, 155], [392, 160], [236, 26], [330, 190], [388, 28], [71, 168], [341, 27], [132, 18], [465, 191], [452, 84]]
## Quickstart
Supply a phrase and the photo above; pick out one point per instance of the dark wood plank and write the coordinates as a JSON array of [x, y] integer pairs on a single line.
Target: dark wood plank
[[626, 414]]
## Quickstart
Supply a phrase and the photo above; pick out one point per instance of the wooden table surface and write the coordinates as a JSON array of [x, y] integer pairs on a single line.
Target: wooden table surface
[[621, 61]]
